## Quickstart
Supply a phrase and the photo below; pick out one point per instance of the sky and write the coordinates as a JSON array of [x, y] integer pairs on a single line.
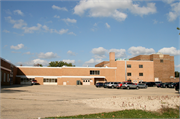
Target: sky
[[83, 32]]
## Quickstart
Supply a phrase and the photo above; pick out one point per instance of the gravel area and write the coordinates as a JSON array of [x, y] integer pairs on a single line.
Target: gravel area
[[150, 103]]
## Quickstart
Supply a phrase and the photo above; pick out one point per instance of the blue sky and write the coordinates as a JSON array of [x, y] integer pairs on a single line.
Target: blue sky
[[84, 32]]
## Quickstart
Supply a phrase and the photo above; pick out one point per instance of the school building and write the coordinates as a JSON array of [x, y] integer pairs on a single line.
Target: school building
[[155, 67]]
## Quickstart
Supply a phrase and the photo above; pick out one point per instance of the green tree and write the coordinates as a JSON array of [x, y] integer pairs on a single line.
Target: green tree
[[176, 74], [60, 64]]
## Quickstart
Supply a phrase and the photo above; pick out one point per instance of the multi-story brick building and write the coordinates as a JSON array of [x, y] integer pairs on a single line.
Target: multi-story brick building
[[155, 67]]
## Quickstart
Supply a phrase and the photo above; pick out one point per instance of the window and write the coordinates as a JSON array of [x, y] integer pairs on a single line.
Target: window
[[140, 66], [4, 77], [94, 72], [161, 61], [1, 75], [128, 74], [128, 66], [140, 74], [7, 77]]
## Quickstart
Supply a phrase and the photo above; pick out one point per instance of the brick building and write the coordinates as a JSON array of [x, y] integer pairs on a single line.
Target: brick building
[[155, 67]]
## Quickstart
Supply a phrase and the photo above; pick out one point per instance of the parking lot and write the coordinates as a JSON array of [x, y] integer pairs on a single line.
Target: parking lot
[[47, 101]]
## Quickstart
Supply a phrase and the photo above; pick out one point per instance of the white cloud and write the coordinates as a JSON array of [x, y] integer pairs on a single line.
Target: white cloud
[[68, 20], [155, 21], [107, 25], [19, 46], [71, 53], [17, 23], [170, 51], [135, 51], [175, 11], [45, 28], [99, 53], [92, 62], [47, 55], [69, 61], [59, 8], [18, 12], [168, 1], [62, 31], [35, 61], [119, 53], [177, 66], [28, 53], [32, 29], [56, 16], [72, 33], [113, 8], [6, 31]]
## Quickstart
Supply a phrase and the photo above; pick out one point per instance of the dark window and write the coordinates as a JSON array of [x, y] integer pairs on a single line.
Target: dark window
[[140, 66], [94, 72], [128, 74], [128, 66], [140, 74], [161, 61]]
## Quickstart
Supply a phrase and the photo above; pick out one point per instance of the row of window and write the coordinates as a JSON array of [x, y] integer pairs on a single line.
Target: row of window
[[4, 77], [94, 72], [129, 74], [129, 66], [50, 80]]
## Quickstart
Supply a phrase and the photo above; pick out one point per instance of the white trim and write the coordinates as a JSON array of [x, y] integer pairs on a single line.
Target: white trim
[[49, 83], [5, 68], [135, 60], [68, 67], [23, 76]]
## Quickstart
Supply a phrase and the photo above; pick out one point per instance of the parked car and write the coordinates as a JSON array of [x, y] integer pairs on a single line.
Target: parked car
[[165, 85], [33, 82], [158, 82], [171, 85], [177, 87], [105, 84], [111, 84], [119, 84], [142, 85], [159, 85], [129, 85], [150, 84], [99, 85]]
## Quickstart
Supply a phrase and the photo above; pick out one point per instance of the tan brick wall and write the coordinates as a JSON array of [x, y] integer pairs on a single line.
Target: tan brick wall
[[39, 80], [147, 70], [39, 71]]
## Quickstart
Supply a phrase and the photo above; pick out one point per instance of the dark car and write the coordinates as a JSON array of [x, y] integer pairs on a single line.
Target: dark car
[[165, 85], [150, 84], [171, 85], [159, 85], [158, 82], [99, 85], [177, 87]]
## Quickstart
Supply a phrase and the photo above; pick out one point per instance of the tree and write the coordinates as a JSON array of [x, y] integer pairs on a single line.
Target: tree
[[60, 64], [176, 74]]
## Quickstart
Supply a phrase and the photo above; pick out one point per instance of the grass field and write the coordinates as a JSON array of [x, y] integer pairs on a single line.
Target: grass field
[[162, 113]]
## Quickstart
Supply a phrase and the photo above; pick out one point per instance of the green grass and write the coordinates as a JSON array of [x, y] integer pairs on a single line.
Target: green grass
[[162, 113]]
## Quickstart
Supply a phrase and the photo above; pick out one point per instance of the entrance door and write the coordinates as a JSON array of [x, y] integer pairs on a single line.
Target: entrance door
[[86, 81]]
